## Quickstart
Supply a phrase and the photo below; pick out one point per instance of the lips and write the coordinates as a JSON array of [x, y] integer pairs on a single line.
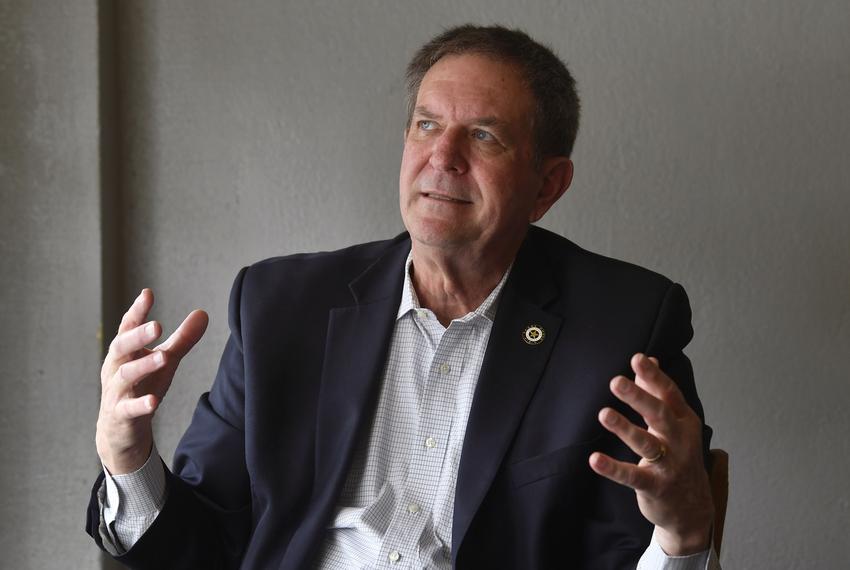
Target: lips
[[445, 198]]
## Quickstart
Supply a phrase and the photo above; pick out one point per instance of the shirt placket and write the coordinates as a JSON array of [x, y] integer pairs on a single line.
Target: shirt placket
[[414, 508]]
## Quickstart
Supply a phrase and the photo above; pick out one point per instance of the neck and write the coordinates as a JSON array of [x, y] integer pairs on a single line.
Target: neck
[[454, 282]]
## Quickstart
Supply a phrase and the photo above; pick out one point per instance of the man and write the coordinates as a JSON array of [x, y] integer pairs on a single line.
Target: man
[[435, 400]]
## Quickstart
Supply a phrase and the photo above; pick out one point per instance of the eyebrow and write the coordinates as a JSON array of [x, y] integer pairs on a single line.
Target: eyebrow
[[488, 121], [423, 112]]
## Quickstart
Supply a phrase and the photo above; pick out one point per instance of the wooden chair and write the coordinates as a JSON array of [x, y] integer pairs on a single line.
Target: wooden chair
[[719, 478]]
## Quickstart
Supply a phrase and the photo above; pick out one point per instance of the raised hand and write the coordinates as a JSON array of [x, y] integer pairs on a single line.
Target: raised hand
[[670, 480], [134, 380]]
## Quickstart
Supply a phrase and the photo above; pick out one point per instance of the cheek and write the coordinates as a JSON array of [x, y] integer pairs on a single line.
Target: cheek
[[409, 167], [510, 197]]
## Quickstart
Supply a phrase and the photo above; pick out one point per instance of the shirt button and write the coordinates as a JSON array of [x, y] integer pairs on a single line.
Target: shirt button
[[412, 508], [394, 556], [430, 442], [444, 368]]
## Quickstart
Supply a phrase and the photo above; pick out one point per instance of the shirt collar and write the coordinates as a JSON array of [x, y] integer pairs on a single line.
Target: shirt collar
[[487, 309]]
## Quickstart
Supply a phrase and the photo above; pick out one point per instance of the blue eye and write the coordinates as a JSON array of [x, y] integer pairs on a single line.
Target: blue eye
[[482, 135], [425, 125]]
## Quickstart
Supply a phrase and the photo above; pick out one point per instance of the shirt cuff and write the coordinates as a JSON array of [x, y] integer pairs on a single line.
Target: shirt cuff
[[130, 503], [654, 558]]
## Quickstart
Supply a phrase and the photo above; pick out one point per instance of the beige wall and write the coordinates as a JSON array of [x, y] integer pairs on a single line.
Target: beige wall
[[712, 150]]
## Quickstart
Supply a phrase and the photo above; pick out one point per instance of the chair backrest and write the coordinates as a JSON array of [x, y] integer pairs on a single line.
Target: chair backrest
[[719, 478]]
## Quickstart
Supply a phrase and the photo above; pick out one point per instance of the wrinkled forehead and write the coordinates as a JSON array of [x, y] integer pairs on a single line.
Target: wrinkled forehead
[[476, 84]]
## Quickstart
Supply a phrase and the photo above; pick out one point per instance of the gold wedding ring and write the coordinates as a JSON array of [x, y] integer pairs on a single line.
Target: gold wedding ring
[[661, 453]]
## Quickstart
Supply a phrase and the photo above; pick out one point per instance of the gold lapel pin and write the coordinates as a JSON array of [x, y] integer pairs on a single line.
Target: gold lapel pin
[[533, 334]]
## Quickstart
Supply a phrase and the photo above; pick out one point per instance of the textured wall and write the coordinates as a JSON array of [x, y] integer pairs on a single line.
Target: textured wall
[[712, 150], [50, 281]]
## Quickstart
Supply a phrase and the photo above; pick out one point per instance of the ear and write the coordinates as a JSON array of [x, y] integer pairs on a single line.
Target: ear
[[557, 174]]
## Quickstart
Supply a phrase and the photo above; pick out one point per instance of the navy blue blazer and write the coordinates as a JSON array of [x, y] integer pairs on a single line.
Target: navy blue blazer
[[258, 473]]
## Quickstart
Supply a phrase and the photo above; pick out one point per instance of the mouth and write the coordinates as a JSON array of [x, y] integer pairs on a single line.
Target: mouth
[[444, 198]]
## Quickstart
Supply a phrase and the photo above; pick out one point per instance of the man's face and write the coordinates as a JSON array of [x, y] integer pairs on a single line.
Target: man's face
[[468, 175]]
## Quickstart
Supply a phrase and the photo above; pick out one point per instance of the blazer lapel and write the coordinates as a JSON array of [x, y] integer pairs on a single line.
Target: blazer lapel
[[356, 348], [509, 375]]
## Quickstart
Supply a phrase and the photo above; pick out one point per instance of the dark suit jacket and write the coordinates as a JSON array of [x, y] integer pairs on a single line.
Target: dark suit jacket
[[258, 473]]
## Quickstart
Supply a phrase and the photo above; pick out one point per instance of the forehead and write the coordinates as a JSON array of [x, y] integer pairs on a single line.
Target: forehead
[[479, 85]]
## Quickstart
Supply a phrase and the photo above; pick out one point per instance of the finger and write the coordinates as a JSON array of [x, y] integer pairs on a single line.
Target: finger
[[650, 377], [638, 440], [187, 334], [138, 311], [653, 410], [132, 408], [127, 343], [132, 372], [627, 474]]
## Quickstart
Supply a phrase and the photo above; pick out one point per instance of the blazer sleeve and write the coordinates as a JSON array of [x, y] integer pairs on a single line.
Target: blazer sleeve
[[618, 541], [671, 333], [206, 519]]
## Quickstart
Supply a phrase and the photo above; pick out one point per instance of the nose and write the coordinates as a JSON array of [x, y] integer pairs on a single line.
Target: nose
[[449, 153]]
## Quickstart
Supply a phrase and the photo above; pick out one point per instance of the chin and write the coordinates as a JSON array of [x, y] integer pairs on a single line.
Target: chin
[[437, 234]]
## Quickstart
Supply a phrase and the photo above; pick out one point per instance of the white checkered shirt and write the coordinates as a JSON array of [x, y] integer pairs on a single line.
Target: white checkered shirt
[[396, 507]]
